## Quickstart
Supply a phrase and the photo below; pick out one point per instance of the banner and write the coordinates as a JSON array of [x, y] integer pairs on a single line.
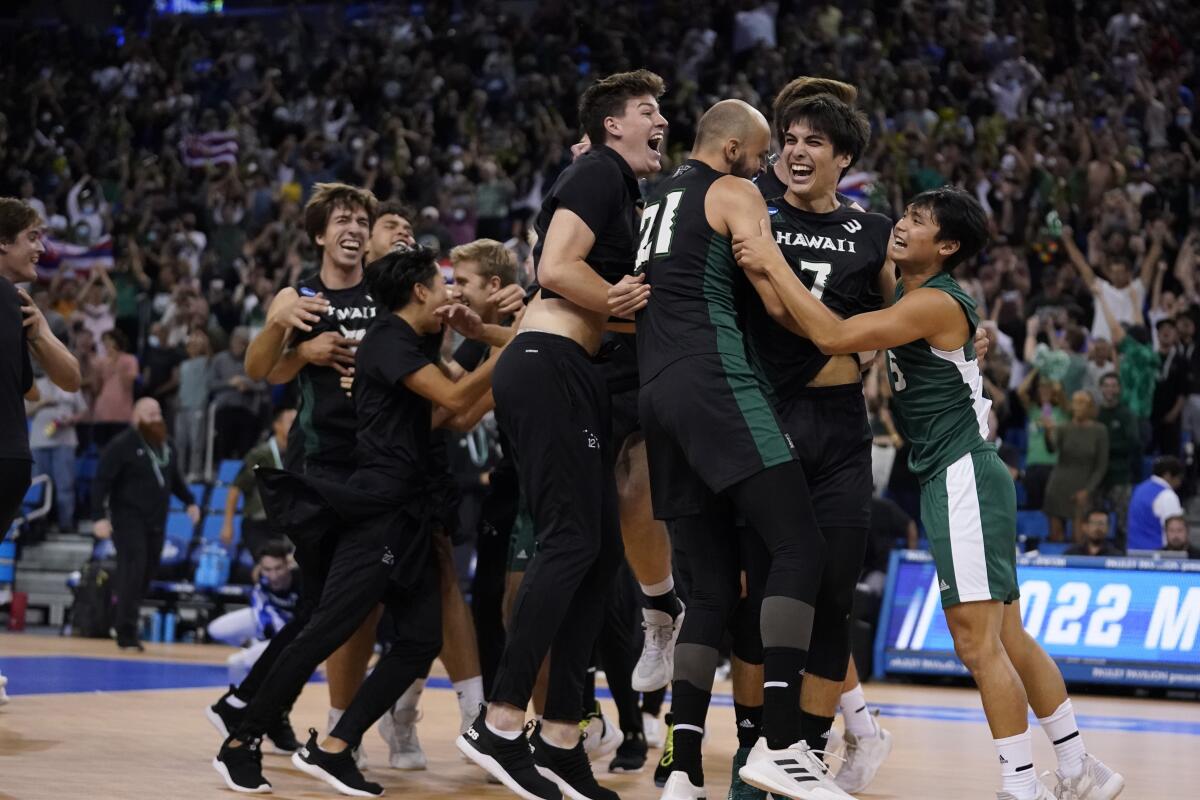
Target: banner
[[1103, 620], [64, 258]]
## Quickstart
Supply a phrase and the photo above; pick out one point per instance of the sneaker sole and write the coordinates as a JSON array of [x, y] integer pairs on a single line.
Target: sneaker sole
[[492, 767], [223, 771], [216, 721], [320, 774], [768, 784]]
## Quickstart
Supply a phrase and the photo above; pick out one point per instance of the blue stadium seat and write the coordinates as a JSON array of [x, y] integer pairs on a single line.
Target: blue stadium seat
[[1033, 523], [178, 542], [211, 531], [1053, 548], [8, 558], [199, 490], [227, 471], [216, 500], [35, 495]]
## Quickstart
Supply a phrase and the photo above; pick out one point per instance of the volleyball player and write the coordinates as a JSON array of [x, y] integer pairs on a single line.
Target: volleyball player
[[968, 503], [553, 401]]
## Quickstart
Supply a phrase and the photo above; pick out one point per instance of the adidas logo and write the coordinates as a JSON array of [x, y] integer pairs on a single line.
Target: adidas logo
[[745, 724], [1003, 760], [943, 586], [522, 554]]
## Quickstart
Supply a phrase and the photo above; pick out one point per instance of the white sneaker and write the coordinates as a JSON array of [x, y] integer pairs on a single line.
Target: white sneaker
[[657, 662], [1096, 782], [835, 744], [599, 738], [398, 727], [653, 728], [795, 772], [1042, 794], [864, 756], [3, 693], [680, 787]]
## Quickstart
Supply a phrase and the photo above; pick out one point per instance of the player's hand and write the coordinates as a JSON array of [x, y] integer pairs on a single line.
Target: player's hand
[[581, 147], [330, 349], [509, 300], [983, 343], [102, 529], [227, 534], [34, 322], [628, 296], [462, 319], [193, 513], [294, 311], [346, 382], [755, 253]]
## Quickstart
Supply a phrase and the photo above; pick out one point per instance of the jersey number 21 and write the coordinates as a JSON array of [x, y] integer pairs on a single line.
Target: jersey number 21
[[657, 231]]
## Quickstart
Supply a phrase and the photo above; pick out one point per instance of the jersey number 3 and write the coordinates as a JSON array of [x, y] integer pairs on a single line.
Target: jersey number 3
[[657, 231]]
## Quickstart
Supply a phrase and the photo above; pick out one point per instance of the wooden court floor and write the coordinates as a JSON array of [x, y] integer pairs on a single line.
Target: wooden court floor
[[157, 743]]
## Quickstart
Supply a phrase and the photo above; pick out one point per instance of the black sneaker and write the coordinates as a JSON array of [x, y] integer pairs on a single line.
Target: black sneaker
[[631, 755], [283, 738], [510, 761], [570, 769], [336, 769], [130, 643], [666, 764], [224, 717], [241, 767]]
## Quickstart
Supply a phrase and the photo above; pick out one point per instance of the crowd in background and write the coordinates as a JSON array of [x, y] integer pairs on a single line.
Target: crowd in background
[[184, 154]]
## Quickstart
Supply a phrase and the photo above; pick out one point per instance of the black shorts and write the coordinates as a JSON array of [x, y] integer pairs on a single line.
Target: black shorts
[[708, 425], [833, 438]]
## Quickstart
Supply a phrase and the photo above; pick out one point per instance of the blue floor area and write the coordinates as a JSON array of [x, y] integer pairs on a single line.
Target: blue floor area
[[32, 675]]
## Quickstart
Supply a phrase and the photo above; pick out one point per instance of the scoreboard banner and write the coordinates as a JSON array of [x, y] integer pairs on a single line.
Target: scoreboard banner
[[1103, 620]]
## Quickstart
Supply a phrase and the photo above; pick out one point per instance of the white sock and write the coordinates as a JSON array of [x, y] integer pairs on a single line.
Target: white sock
[[470, 697], [857, 714], [1016, 766], [510, 735], [657, 589], [235, 701], [1064, 734], [411, 697], [335, 714]]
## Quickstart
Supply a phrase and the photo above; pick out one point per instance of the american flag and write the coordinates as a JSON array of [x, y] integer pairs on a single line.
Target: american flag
[[207, 149]]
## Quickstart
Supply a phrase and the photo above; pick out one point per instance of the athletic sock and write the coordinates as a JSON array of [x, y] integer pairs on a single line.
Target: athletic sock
[[856, 714], [412, 697], [510, 735], [1063, 733], [781, 695], [661, 596], [470, 697], [749, 723], [815, 730], [1016, 766], [689, 706]]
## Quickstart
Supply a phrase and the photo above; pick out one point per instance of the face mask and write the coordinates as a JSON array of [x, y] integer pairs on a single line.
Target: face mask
[[1183, 121], [153, 341]]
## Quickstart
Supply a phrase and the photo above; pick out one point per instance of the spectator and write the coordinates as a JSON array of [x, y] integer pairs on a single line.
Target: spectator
[[95, 304], [53, 440], [1122, 292], [191, 417], [1045, 416], [1138, 368], [1093, 539], [113, 377], [1082, 449], [137, 474], [1179, 538], [160, 369], [272, 603], [1124, 452], [1170, 391], [237, 399], [1155, 501], [255, 532]]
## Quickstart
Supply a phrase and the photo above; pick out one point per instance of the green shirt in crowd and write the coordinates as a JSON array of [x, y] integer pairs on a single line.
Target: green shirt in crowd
[[1038, 452], [1124, 445], [1139, 371]]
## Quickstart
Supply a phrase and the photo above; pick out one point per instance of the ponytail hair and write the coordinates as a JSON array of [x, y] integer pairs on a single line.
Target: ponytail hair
[[391, 279]]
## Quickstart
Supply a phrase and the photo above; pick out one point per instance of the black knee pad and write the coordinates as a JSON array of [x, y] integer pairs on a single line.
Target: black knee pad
[[830, 650]]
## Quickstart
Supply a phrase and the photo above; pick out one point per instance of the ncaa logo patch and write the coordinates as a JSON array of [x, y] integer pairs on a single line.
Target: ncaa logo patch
[[772, 210], [307, 292]]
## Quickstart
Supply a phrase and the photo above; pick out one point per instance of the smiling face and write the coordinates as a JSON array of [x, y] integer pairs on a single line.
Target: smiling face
[[813, 168], [638, 133], [914, 239], [19, 258], [389, 232], [471, 287], [345, 237]]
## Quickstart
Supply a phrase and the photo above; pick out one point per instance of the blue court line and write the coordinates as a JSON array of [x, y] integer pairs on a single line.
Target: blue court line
[[35, 675]]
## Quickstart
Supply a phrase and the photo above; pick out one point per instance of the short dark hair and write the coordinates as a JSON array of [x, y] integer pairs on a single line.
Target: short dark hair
[[1162, 323], [15, 216], [959, 218], [119, 338], [607, 98], [1112, 375], [806, 86], [391, 279], [392, 207], [1098, 509], [327, 197], [275, 548], [1168, 465], [846, 128]]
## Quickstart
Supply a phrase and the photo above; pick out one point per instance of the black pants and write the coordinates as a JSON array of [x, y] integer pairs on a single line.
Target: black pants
[[617, 648], [554, 403], [238, 430], [487, 596], [139, 550], [359, 578], [14, 482]]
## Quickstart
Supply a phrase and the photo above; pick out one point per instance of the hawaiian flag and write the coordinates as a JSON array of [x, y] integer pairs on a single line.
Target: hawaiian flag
[[208, 149], [64, 258], [857, 186]]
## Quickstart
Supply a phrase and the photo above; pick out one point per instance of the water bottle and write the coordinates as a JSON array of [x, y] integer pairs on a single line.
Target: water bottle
[[156, 625], [169, 626]]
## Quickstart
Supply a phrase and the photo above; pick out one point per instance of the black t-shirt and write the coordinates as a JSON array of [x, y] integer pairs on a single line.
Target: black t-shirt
[[1172, 383], [470, 354], [325, 426], [16, 375], [771, 188], [838, 256], [601, 189], [393, 421]]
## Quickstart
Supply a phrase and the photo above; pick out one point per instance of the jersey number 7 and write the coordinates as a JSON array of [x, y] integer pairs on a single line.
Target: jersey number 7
[[651, 224]]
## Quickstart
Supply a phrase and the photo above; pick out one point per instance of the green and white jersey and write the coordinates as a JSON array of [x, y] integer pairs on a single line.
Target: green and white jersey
[[937, 395]]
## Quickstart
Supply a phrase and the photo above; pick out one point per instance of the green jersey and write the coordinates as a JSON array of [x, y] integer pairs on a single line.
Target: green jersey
[[937, 395]]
